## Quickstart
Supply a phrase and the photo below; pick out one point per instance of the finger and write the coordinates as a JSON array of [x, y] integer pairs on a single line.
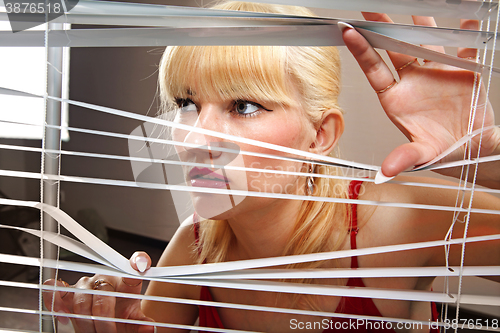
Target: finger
[[464, 52], [104, 306], [137, 314], [427, 22], [398, 60], [141, 262], [53, 300], [145, 328], [82, 304], [377, 17], [405, 157], [376, 71]]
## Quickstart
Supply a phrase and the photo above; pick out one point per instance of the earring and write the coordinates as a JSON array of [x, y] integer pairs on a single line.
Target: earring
[[310, 181]]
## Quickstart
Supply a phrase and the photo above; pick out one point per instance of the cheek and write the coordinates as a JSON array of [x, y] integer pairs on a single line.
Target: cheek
[[187, 118], [276, 181], [289, 135], [178, 136]]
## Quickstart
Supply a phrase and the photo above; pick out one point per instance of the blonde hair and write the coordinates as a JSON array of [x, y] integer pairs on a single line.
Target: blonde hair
[[266, 73]]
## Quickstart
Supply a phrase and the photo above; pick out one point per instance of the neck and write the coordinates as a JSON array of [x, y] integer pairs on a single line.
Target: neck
[[264, 232]]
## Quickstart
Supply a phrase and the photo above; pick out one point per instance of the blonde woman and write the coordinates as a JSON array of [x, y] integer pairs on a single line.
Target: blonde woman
[[287, 96]]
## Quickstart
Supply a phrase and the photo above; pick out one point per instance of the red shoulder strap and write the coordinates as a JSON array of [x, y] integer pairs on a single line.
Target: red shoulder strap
[[196, 226], [196, 229], [354, 188], [208, 315]]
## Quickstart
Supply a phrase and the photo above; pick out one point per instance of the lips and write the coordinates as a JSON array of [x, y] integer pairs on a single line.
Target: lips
[[204, 177]]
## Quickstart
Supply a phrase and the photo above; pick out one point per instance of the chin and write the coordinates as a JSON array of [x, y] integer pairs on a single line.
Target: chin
[[216, 206]]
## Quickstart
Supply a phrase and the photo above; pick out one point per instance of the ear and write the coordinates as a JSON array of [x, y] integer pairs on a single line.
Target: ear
[[328, 132]]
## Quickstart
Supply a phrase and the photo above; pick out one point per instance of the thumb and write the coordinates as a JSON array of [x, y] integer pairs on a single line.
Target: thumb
[[141, 262], [405, 157], [146, 328], [137, 314]]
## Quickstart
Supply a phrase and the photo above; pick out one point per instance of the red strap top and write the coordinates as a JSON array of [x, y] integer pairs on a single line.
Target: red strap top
[[209, 317]]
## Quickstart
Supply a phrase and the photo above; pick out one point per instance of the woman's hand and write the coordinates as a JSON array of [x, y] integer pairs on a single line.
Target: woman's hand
[[100, 305], [430, 105]]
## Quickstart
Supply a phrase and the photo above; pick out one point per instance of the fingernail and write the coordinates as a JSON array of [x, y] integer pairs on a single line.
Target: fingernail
[[342, 26], [142, 264], [380, 178]]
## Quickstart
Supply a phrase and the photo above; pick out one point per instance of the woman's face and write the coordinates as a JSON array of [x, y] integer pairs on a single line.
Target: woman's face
[[258, 120]]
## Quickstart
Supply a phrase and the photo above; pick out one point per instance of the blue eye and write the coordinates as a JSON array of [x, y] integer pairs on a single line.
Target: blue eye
[[186, 105], [244, 107]]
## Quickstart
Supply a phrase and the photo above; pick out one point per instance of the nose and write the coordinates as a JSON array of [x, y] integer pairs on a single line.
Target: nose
[[208, 118]]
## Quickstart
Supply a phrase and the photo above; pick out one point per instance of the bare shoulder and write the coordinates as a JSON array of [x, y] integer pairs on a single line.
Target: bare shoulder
[[180, 248], [381, 219], [421, 190], [422, 196], [179, 252], [429, 216], [431, 193]]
